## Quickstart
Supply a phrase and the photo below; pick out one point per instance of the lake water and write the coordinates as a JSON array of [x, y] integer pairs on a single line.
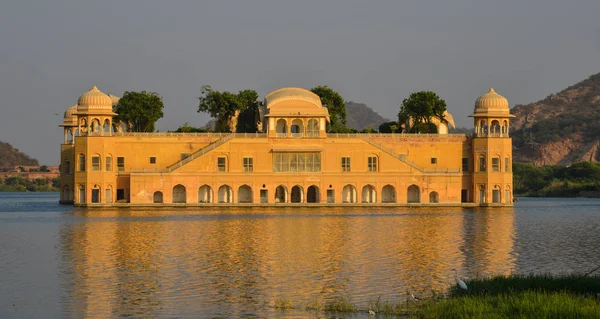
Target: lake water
[[60, 262]]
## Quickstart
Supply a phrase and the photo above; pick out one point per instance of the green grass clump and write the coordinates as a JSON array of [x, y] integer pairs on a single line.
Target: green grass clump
[[573, 283], [527, 304]]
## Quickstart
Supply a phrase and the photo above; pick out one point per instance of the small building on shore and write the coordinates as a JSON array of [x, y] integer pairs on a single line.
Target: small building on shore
[[293, 161]]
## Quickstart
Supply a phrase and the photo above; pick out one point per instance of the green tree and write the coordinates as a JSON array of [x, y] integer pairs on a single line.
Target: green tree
[[368, 129], [248, 116], [223, 106], [186, 128], [421, 107], [141, 110], [388, 127], [334, 103], [44, 168]]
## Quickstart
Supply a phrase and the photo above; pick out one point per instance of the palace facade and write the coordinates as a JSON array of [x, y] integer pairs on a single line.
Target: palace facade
[[292, 161]]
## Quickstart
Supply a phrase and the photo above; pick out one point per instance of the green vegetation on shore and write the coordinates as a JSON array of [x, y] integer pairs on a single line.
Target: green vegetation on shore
[[515, 296], [556, 181], [20, 184]]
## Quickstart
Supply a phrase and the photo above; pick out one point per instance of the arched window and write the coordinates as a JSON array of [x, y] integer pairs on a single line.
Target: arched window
[[434, 197], [369, 194], [95, 125], [495, 129], [281, 194], [225, 194], [83, 127], [388, 194], [245, 194], [179, 194], [505, 128], [205, 194], [297, 194], [96, 163], [81, 163], [107, 127], [157, 198], [495, 164], [297, 128], [481, 193], [413, 194], [66, 195], [81, 194], [281, 128], [108, 194], [313, 128], [349, 194], [482, 128], [312, 194], [507, 195], [482, 165]]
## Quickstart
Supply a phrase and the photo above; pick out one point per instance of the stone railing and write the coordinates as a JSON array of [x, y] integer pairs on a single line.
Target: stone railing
[[296, 135], [490, 134], [396, 136], [179, 134]]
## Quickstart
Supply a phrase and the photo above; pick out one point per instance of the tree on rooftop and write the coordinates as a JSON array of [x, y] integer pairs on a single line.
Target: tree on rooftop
[[421, 107], [223, 106], [388, 127], [335, 104], [248, 116], [141, 110]]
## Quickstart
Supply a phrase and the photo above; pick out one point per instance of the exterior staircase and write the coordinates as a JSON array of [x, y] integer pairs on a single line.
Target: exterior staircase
[[400, 157], [198, 153]]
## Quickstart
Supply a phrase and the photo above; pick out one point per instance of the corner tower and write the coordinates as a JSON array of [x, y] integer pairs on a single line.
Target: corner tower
[[492, 150]]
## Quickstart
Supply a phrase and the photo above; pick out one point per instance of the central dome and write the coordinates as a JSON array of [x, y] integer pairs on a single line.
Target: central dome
[[94, 99], [491, 100], [292, 94]]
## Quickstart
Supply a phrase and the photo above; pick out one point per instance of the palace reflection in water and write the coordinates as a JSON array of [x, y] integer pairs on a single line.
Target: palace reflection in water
[[224, 263]]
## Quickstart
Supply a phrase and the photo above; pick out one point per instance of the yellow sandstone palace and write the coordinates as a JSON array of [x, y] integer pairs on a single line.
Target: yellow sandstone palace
[[293, 162]]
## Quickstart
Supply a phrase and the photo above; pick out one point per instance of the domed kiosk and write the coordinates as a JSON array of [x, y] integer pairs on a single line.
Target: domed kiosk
[[294, 112], [491, 115], [95, 112]]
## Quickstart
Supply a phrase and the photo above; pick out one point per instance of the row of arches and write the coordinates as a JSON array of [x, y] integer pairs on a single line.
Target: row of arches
[[297, 194], [491, 128], [297, 127]]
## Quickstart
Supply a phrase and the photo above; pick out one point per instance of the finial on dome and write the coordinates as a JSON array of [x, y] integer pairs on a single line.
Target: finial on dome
[[95, 89], [491, 90]]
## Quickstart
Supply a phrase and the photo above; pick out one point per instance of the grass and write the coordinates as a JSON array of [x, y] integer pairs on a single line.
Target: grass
[[525, 304], [572, 283], [516, 296]]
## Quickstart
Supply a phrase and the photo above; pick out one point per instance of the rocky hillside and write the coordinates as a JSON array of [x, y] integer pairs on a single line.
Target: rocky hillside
[[10, 156], [562, 128], [359, 116]]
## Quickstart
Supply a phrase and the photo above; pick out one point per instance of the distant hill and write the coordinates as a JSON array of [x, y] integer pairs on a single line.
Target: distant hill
[[359, 116], [10, 156], [562, 128]]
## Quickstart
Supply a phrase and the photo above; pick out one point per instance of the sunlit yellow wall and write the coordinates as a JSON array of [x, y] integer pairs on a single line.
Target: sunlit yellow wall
[[140, 178]]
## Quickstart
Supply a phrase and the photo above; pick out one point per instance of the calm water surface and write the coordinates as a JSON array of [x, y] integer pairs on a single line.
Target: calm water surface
[[61, 262]]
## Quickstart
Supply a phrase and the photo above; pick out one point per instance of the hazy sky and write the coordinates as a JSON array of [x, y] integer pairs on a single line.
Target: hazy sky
[[374, 52]]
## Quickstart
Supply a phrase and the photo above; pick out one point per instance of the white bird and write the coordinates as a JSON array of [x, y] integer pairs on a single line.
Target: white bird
[[371, 313], [413, 298], [459, 282]]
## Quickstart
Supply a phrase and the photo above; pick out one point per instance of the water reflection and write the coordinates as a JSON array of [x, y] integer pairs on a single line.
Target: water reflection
[[237, 262]]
